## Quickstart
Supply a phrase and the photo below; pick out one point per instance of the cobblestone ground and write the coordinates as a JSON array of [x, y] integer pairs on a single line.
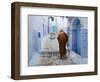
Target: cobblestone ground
[[48, 59]]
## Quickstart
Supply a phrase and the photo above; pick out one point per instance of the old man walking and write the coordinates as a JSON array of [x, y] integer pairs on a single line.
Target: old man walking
[[62, 39]]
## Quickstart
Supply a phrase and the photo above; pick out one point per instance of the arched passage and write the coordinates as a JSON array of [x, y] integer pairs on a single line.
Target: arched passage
[[76, 32]]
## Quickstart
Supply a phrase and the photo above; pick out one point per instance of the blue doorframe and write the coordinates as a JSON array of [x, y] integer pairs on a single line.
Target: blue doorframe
[[76, 45]]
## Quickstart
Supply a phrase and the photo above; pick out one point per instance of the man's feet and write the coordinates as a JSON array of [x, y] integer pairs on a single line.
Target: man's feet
[[63, 57]]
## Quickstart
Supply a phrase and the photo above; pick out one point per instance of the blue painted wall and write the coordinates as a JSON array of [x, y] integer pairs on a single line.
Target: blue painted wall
[[79, 38]]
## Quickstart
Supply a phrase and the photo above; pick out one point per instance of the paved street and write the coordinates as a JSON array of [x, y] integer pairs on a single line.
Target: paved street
[[47, 59]]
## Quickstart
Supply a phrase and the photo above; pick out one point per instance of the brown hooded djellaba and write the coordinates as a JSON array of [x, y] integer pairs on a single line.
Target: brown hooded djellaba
[[62, 39]]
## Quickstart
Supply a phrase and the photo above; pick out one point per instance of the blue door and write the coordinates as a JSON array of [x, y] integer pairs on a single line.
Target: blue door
[[74, 40]]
